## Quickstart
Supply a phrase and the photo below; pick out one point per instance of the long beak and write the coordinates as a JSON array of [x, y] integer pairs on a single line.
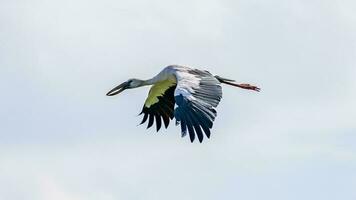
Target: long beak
[[118, 89]]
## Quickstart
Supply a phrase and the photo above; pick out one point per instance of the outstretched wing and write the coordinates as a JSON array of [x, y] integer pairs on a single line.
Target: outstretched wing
[[197, 94], [159, 104]]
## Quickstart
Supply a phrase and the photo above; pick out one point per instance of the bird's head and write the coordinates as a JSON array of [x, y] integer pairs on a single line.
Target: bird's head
[[129, 84]]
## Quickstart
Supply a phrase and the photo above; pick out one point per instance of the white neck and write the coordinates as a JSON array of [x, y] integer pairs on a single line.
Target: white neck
[[151, 81]]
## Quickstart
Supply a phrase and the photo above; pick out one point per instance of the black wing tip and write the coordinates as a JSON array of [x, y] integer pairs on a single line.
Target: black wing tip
[[200, 140], [162, 109], [192, 139], [196, 120], [196, 134]]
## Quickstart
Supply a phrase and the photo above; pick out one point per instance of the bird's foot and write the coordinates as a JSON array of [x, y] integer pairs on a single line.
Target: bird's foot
[[249, 87]]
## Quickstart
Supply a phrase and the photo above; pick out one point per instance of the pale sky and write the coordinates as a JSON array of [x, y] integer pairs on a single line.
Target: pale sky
[[61, 138]]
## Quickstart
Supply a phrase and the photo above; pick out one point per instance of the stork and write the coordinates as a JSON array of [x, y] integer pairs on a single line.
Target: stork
[[186, 94]]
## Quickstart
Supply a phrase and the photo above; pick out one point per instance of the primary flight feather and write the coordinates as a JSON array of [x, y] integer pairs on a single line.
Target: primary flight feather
[[188, 95]]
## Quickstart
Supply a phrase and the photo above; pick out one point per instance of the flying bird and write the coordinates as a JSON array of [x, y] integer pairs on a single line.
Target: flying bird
[[186, 94]]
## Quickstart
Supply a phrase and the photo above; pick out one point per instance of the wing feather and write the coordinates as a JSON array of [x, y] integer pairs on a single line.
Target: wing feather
[[197, 95], [144, 118], [150, 121], [159, 105], [158, 121]]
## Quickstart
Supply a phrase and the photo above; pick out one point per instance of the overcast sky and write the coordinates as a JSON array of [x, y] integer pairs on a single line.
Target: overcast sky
[[61, 138]]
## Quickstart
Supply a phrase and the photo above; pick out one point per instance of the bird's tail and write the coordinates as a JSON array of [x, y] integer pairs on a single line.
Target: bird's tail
[[233, 83]]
